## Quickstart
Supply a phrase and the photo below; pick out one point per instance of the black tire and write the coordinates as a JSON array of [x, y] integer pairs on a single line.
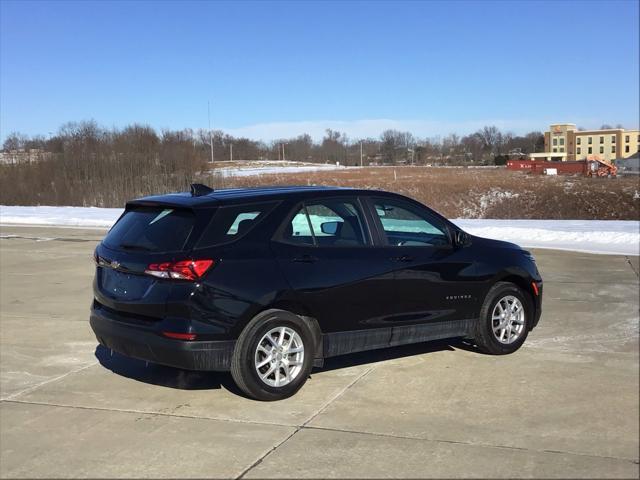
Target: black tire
[[484, 336], [243, 367]]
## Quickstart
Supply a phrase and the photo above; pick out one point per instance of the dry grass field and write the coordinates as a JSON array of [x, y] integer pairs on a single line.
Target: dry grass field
[[478, 192]]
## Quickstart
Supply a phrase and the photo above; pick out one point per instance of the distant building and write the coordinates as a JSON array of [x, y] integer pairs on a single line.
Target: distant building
[[563, 141], [13, 157]]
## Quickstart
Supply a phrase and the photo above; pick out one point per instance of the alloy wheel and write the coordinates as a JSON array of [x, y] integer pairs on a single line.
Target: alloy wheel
[[507, 319], [279, 356]]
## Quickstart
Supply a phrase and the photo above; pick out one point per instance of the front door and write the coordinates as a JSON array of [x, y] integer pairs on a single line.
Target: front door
[[434, 280]]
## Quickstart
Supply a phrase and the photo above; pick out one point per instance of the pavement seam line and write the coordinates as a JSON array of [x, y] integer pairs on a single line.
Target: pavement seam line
[[46, 239], [303, 425], [338, 395], [330, 429], [12, 399], [470, 444], [46, 382], [143, 412], [632, 267]]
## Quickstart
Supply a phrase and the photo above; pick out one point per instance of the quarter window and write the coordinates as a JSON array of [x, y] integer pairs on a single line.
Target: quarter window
[[327, 223], [232, 222], [408, 226]]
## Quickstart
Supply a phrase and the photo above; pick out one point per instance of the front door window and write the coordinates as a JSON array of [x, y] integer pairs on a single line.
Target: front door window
[[405, 226]]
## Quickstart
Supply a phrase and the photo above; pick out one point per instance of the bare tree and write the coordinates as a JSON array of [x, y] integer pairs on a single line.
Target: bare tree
[[491, 138], [14, 141]]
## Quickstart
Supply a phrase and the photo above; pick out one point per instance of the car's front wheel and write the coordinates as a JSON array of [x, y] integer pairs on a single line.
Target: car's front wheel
[[504, 319], [273, 356]]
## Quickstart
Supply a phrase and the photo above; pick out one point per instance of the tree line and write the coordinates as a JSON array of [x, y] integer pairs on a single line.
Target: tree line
[[391, 147], [92, 165]]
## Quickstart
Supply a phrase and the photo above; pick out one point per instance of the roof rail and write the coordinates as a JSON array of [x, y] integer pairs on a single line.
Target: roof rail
[[199, 190]]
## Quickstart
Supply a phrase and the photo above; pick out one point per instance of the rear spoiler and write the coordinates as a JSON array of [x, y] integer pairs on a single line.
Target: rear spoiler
[[198, 196]]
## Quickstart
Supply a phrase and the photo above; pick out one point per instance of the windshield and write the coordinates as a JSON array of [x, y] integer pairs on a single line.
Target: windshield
[[151, 229]]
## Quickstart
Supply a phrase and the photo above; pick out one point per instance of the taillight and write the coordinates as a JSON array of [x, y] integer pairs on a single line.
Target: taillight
[[180, 336], [183, 270]]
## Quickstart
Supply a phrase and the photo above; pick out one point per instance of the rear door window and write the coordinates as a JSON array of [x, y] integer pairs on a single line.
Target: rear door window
[[232, 222], [327, 223], [151, 229]]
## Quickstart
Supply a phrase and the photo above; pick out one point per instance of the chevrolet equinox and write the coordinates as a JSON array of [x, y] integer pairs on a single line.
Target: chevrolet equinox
[[268, 282]]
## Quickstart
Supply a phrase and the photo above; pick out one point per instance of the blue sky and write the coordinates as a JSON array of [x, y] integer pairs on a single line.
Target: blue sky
[[274, 69]]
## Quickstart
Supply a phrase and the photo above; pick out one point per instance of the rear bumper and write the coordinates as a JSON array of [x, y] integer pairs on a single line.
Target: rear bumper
[[145, 342]]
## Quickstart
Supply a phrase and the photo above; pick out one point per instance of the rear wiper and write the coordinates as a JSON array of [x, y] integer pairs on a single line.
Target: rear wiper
[[130, 246]]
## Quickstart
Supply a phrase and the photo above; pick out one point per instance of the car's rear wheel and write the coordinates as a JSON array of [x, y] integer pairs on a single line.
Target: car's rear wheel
[[504, 319], [273, 355]]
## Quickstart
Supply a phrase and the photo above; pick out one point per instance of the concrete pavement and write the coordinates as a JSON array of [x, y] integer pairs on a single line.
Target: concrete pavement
[[565, 405]]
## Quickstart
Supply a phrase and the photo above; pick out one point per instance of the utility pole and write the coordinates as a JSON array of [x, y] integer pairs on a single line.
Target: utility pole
[[210, 131], [361, 153], [283, 152], [231, 152]]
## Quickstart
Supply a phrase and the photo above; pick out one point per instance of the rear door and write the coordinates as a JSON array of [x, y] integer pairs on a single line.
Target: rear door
[[434, 280], [325, 250]]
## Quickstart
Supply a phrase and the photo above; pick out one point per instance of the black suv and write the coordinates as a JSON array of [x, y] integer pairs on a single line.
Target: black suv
[[268, 282]]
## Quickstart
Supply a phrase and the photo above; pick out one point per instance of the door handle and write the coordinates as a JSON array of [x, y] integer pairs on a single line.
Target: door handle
[[403, 258], [305, 259]]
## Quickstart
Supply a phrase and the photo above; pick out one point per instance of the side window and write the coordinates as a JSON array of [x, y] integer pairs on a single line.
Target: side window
[[327, 223], [230, 223], [406, 226]]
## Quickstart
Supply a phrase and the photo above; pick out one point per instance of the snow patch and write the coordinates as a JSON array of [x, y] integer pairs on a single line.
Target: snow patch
[[620, 237], [69, 216], [591, 236], [488, 200], [272, 167]]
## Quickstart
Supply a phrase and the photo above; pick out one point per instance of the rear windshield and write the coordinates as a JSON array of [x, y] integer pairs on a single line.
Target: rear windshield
[[151, 229]]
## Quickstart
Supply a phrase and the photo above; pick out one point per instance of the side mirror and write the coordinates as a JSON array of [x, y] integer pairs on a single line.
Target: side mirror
[[329, 228], [461, 238]]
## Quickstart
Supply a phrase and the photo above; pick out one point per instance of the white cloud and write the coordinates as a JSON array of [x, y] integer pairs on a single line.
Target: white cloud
[[374, 127]]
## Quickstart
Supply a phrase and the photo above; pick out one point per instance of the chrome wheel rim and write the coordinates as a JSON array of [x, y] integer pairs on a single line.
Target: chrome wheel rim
[[279, 356], [507, 319]]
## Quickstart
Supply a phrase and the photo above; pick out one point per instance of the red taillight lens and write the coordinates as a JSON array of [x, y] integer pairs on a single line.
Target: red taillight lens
[[180, 336], [183, 270]]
